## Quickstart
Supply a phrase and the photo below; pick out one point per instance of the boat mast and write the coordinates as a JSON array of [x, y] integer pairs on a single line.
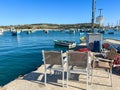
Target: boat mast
[[119, 23], [93, 14]]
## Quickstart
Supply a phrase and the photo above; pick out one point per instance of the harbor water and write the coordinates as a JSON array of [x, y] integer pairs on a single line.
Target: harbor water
[[21, 54]]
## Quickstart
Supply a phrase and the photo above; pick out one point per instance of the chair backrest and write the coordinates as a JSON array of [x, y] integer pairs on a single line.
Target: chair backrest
[[52, 57], [105, 45], [111, 54], [76, 58]]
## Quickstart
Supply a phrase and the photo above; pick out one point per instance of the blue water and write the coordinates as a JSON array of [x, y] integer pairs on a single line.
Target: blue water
[[116, 35], [22, 54]]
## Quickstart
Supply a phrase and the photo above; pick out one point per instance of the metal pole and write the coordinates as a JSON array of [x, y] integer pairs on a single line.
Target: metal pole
[[93, 14]]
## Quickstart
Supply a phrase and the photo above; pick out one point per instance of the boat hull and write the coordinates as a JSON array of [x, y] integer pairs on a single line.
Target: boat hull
[[68, 44]]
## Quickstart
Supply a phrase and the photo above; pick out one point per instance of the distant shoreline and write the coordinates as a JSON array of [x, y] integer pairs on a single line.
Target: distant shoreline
[[51, 26]]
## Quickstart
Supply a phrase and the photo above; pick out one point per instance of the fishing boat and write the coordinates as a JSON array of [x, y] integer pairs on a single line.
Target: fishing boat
[[29, 31], [46, 31], [69, 44], [110, 31], [15, 32], [1, 31], [101, 30], [83, 39], [72, 31]]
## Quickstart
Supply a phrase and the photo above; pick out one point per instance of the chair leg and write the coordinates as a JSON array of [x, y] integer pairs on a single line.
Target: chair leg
[[89, 72], [93, 66], [45, 78], [92, 76], [67, 78], [111, 76], [108, 73], [87, 81], [50, 72], [63, 78]]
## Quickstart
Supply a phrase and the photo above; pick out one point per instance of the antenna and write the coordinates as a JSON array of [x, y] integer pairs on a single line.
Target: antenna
[[100, 11]]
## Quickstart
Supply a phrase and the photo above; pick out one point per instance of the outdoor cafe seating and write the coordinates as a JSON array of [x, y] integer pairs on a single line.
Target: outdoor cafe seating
[[82, 62], [76, 62]]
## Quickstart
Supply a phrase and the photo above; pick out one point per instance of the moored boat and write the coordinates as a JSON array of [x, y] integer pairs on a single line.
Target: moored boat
[[29, 31], [83, 39], [111, 31], [69, 44], [1, 31], [102, 32], [15, 32]]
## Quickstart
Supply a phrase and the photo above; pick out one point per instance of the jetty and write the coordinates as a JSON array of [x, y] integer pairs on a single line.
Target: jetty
[[35, 81], [107, 40], [113, 41]]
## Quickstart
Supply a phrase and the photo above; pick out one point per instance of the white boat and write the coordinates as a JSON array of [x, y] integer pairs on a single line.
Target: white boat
[[15, 32], [1, 31], [69, 44], [72, 31]]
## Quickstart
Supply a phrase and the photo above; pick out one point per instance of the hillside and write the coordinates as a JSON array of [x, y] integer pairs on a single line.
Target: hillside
[[50, 26]]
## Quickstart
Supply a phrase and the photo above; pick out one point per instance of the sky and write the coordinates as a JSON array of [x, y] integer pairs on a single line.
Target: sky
[[18, 12]]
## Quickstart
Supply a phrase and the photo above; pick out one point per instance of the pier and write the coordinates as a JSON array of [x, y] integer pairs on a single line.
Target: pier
[[35, 81], [113, 41]]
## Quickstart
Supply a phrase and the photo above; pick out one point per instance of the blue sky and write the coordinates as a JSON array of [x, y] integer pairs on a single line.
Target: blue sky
[[14, 12]]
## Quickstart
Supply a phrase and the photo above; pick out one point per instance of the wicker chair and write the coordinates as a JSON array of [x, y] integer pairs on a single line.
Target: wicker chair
[[77, 62], [55, 61], [105, 62]]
